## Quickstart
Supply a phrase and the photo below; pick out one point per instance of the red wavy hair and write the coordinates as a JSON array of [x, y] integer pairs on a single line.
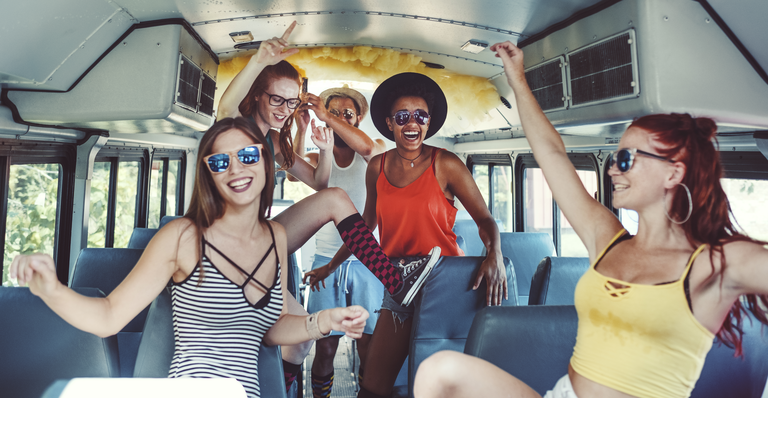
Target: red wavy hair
[[249, 105], [690, 140]]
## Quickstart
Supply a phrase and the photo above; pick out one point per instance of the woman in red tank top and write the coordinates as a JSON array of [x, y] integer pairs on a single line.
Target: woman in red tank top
[[411, 192]]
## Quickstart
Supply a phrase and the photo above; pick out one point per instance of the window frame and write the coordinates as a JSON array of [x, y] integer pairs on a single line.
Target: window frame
[[493, 160]]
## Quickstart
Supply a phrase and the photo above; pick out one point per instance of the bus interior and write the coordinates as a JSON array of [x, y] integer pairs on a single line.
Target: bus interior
[[103, 103]]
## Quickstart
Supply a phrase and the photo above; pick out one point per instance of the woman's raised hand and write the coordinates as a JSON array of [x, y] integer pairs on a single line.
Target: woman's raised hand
[[36, 271], [350, 320], [512, 57], [322, 137], [273, 51]]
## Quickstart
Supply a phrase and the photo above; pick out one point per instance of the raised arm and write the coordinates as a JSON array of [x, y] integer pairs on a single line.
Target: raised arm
[[270, 52], [292, 329], [315, 177], [106, 316], [746, 268], [302, 123], [461, 183], [357, 140], [593, 223]]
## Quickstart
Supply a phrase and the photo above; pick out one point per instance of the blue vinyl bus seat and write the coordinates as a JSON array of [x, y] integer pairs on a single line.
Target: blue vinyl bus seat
[[555, 280]]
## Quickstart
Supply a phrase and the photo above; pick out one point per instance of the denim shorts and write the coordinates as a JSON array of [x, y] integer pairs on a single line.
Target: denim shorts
[[399, 311], [563, 389], [351, 284]]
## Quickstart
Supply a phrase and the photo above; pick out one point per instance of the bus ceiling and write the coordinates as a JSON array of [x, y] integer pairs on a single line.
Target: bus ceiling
[[115, 65]]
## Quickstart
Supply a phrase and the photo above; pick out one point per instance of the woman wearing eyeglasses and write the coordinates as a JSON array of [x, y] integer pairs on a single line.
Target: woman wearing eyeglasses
[[266, 92], [224, 258], [410, 197], [650, 305]]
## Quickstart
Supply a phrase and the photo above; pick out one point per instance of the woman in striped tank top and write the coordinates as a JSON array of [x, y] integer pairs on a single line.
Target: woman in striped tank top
[[224, 259]]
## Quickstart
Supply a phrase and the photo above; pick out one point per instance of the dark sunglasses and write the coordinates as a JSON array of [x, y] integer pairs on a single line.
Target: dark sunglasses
[[402, 117], [276, 100], [625, 158], [347, 113], [220, 162]]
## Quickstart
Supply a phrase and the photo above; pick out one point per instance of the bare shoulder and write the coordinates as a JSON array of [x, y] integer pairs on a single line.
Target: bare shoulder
[[375, 163], [447, 163]]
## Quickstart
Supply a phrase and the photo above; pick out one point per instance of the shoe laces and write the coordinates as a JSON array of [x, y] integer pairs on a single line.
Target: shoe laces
[[411, 266]]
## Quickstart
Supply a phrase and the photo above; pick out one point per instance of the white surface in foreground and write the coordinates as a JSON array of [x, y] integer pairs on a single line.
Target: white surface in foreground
[[153, 388]]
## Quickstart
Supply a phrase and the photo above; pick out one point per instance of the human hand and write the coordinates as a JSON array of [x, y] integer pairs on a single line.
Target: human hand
[[38, 271], [273, 51], [302, 117], [316, 104], [350, 320], [314, 277], [494, 273], [512, 57], [322, 137]]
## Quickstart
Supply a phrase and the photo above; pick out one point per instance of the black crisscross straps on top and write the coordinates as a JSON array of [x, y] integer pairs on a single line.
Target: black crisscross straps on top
[[217, 332]]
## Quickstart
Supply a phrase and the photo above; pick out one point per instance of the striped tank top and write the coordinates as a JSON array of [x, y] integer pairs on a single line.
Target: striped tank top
[[217, 332]]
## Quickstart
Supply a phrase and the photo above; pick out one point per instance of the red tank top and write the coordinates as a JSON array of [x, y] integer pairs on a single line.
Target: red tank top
[[415, 218]]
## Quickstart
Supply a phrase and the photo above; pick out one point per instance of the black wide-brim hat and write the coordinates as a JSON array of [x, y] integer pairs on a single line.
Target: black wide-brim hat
[[385, 95]]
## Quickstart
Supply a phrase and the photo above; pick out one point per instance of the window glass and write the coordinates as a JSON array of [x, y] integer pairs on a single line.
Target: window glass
[[155, 193], [480, 173], [570, 243], [749, 203], [30, 227], [537, 213], [125, 214], [502, 197], [174, 167], [97, 221], [629, 219]]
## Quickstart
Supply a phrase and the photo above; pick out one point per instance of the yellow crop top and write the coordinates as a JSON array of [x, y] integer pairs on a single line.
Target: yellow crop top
[[642, 340]]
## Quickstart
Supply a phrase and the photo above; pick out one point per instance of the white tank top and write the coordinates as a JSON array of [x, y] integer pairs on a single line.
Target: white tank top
[[352, 180]]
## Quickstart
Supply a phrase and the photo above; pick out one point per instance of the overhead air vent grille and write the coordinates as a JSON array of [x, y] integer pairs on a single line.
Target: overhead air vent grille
[[547, 82], [195, 89], [604, 71]]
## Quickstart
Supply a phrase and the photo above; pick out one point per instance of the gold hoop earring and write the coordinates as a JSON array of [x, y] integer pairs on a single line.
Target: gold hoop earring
[[690, 206]]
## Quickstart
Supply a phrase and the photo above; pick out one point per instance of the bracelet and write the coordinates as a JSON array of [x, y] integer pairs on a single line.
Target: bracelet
[[313, 327]]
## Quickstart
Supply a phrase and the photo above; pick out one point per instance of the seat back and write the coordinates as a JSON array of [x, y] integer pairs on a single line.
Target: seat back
[[467, 229], [157, 345], [140, 237], [533, 343], [105, 268], [446, 306], [37, 347], [555, 280], [526, 250], [727, 376]]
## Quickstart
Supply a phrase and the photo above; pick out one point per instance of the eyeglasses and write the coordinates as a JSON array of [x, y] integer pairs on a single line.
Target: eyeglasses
[[220, 162], [625, 158], [276, 100], [347, 113], [402, 117]]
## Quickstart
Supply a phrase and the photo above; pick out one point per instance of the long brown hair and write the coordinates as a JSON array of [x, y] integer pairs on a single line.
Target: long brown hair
[[206, 204], [690, 140], [249, 105]]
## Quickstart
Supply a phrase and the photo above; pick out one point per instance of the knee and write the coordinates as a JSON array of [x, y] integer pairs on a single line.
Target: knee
[[438, 375], [336, 194]]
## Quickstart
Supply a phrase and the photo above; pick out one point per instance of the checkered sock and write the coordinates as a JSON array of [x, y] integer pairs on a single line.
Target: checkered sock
[[290, 372], [322, 385], [361, 242]]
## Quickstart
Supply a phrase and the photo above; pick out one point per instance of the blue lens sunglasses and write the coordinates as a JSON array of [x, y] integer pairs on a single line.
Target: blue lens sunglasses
[[220, 162]]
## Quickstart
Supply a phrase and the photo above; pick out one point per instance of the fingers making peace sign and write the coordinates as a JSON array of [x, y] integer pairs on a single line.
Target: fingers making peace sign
[[273, 51]]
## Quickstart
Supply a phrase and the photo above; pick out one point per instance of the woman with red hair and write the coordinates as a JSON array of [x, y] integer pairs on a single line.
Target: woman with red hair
[[650, 305]]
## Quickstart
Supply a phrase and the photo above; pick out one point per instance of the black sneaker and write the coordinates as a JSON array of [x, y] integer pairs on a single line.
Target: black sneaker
[[414, 271]]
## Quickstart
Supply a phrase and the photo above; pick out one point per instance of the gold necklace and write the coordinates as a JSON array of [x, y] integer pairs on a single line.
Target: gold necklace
[[410, 160]]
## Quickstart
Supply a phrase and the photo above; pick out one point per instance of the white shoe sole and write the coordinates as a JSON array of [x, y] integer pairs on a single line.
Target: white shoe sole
[[434, 257]]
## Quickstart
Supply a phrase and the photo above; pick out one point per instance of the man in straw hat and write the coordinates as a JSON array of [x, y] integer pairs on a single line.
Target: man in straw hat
[[342, 109]]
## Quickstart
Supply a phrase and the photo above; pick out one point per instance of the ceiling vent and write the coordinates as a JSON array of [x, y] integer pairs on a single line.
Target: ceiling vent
[[158, 79], [604, 71], [547, 82]]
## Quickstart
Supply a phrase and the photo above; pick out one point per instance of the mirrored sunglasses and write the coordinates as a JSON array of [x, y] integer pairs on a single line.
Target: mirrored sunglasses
[[347, 113], [625, 158], [220, 162], [402, 117]]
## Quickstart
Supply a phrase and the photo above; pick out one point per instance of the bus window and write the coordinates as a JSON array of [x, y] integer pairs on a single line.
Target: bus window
[[125, 214], [480, 173], [570, 244], [30, 225], [502, 196], [537, 198], [172, 188], [629, 219], [155, 192], [749, 203], [97, 222]]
